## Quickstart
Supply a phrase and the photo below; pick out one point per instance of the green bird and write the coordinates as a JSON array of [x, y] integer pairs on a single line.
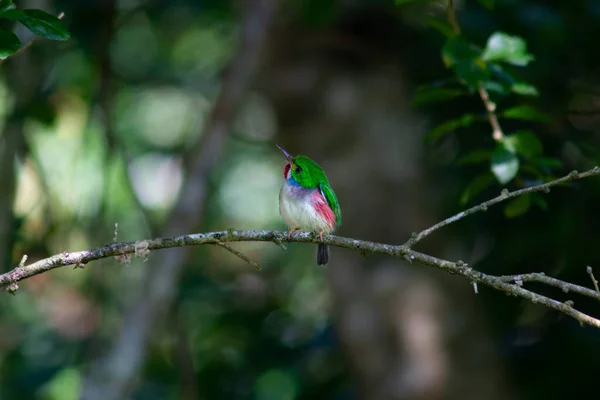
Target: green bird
[[307, 201]]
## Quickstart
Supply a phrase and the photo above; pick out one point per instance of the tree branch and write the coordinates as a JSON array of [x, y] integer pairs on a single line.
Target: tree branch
[[511, 285], [540, 277], [505, 195]]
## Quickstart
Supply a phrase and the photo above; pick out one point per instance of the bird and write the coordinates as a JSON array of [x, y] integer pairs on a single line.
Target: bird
[[307, 202]]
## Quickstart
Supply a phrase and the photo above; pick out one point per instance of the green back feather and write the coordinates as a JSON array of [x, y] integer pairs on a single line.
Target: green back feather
[[333, 202], [310, 175]]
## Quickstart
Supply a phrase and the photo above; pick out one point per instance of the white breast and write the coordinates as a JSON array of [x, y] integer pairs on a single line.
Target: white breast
[[297, 209]]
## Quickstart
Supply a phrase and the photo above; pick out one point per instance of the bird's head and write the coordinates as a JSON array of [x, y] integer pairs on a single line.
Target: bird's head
[[302, 170]]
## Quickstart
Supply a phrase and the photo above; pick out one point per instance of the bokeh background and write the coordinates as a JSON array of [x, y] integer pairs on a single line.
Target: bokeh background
[[162, 116]]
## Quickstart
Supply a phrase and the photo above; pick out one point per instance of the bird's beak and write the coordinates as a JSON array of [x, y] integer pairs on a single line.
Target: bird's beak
[[285, 153]]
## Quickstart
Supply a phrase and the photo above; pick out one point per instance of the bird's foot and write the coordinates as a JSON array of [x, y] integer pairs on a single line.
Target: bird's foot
[[289, 235], [321, 235]]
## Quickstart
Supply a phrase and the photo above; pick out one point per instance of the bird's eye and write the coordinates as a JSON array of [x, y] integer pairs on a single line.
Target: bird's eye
[[298, 169]]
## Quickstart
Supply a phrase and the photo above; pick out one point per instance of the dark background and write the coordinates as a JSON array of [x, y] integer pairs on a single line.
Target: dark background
[[115, 126]]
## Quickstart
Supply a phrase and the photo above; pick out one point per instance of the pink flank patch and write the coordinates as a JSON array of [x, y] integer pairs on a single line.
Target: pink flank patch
[[323, 209], [286, 170]]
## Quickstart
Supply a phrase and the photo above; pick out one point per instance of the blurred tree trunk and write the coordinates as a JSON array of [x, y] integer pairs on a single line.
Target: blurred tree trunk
[[341, 97], [9, 143], [23, 75], [113, 375]]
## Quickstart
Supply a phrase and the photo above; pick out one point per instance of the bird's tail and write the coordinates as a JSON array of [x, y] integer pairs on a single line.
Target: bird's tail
[[322, 254]]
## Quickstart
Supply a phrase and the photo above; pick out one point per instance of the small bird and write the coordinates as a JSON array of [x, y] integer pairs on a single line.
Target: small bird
[[307, 201]]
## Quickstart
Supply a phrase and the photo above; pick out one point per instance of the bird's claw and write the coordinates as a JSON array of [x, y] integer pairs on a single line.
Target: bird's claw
[[289, 235], [321, 235]]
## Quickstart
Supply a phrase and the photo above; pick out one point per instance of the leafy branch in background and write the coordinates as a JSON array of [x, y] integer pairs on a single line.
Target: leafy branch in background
[[38, 22], [491, 73], [510, 284]]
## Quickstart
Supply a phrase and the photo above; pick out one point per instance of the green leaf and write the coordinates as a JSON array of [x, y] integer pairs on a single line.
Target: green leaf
[[494, 87], [6, 5], [476, 186], [510, 49], [525, 143], [458, 49], [504, 164], [471, 72], [524, 89], [45, 25], [9, 43], [12, 14], [475, 157], [427, 95], [526, 113], [449, 126], [465, 59], [501, 75], [517, 206]]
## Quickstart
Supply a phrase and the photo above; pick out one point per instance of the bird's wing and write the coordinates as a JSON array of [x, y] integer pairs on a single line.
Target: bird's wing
[[331, 198]]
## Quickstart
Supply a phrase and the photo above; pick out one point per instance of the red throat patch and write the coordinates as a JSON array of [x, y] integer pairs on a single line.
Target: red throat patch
[[286, 169]]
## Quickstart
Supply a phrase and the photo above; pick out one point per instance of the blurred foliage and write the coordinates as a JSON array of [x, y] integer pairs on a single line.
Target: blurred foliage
[[108, 116], [515, 155]]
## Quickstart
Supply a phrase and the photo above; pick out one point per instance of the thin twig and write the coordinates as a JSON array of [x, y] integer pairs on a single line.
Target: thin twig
[[451, 16], [490, 107], [540, 277], [23, 261], [594, 281], [240, 255], [505, 195]]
